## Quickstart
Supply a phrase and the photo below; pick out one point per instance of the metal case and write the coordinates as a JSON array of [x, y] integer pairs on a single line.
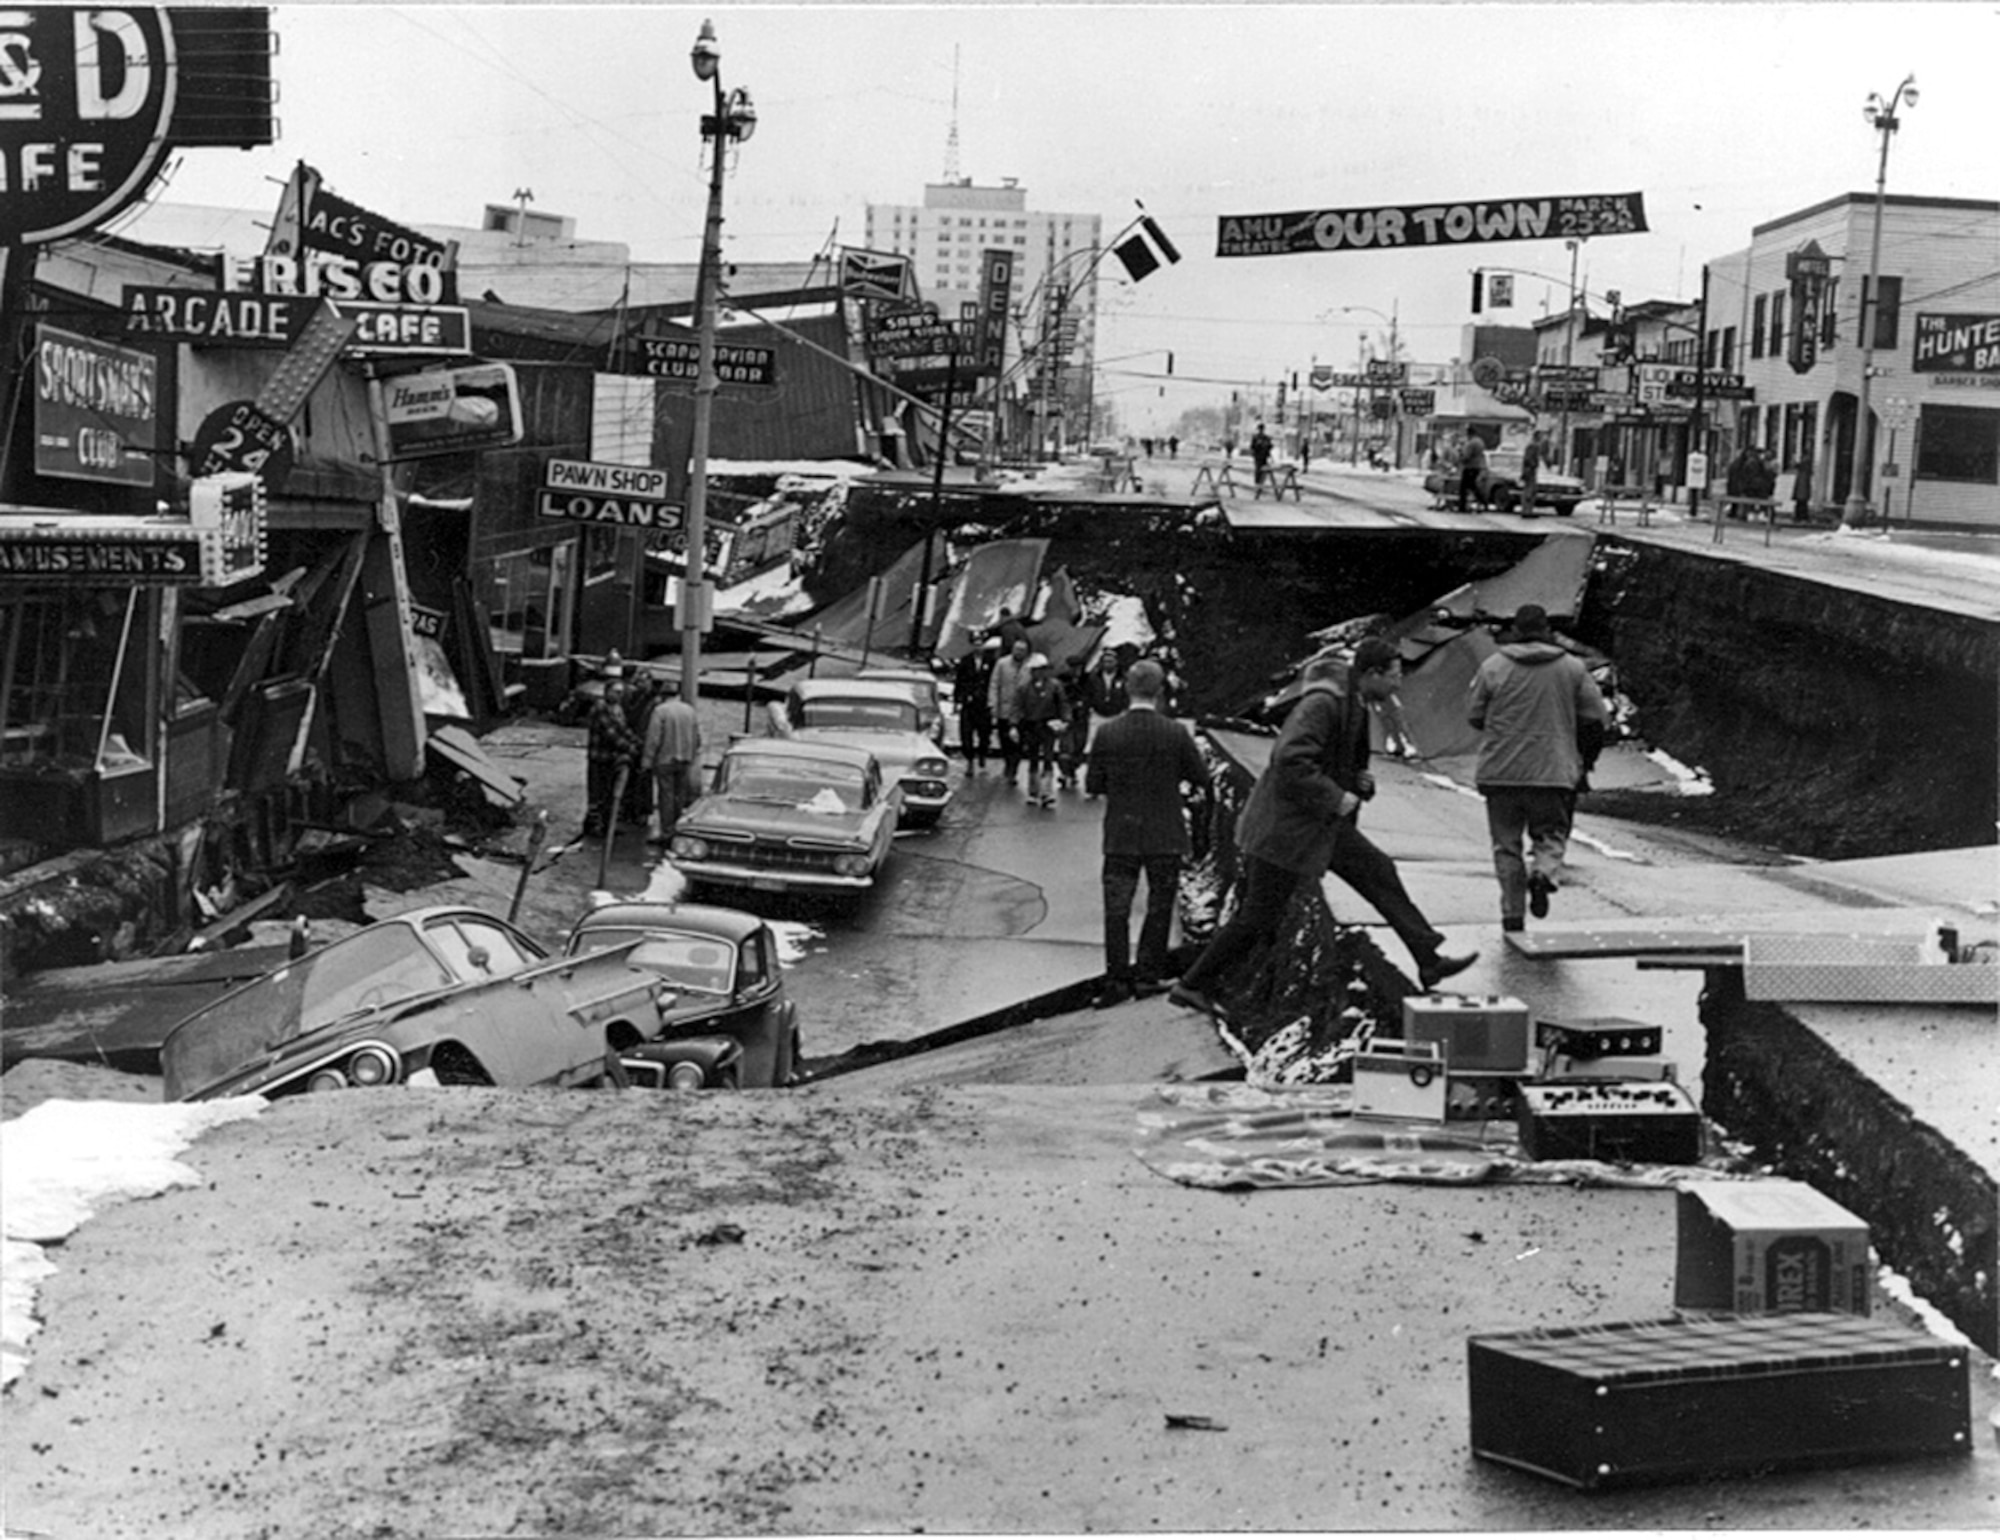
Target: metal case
[[1651, 1121], [1692, 1398]]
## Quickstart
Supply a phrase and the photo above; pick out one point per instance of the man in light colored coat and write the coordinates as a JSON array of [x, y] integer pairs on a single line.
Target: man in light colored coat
[[672, 756], [1535, 705], [1003, 701]]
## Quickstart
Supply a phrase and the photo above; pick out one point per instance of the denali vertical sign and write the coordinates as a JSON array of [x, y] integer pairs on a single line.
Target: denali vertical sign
[[989, 327]]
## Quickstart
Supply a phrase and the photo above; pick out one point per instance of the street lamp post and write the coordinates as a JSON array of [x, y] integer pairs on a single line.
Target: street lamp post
[[733, 118], [1882, 115]]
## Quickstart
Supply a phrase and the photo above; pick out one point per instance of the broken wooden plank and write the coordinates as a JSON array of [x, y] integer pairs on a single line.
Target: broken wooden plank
[[1555, 944]]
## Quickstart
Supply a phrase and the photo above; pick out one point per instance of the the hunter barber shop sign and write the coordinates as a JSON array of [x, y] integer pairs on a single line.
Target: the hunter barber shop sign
[[91, 99]]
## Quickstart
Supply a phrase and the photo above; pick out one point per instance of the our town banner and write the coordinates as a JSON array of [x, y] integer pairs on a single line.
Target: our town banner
[[1400, 226]]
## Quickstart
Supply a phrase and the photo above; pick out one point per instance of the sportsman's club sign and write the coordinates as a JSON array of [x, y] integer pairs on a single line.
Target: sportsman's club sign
[[1391, 227]]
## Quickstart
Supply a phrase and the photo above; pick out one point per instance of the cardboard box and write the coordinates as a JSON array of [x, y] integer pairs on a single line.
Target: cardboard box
[[1400, 1081], [1485, 1034], [1769, 1246], [1693, 1398]]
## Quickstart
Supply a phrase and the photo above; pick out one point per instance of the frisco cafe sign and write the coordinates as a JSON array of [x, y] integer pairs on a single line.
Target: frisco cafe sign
[[1393, 226]]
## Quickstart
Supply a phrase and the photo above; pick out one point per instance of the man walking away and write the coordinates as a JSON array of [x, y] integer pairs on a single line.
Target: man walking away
[[1531, 701], [1139, 763], [1472, 471], [969, 685], [1300, 822], [1260, 453], [1003, 700], [672, 757]]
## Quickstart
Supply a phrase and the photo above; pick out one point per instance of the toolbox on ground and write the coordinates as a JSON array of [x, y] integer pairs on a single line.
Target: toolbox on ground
[[1654, 1122], [1400, 1081], [1696, 1397], [1482, 1033], [1768, 1246]]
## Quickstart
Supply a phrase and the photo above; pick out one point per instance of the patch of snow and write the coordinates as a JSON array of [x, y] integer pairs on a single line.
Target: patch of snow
[[1688, 781], [1125, 621], [1611, 852], [62, 1161], [1897, 1287], [796, 939]]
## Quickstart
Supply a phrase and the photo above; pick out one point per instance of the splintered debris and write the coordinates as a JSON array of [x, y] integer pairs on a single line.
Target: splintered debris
[[1195, 1422], [721, 1235]]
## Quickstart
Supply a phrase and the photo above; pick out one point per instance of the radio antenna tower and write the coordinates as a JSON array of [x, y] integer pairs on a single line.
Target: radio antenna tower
[[951, 139]]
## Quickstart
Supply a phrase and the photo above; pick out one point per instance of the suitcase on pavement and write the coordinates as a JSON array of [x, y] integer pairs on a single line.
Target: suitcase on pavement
[[1696, 1397]]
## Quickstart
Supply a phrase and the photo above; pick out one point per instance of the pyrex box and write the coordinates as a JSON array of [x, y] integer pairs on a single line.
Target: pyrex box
[[1755, 1247], [1480, 1034]]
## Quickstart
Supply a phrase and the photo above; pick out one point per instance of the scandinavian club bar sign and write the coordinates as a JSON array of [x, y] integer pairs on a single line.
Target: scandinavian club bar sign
[[1394, 226]]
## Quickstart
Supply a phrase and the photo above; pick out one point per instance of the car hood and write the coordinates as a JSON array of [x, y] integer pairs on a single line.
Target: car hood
[[894, 750], [722, 813]]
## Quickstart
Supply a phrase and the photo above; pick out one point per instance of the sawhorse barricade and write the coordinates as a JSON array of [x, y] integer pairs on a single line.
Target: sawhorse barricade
[[1280, 479], [1749, 508], [1219, 482], [1608, 499]]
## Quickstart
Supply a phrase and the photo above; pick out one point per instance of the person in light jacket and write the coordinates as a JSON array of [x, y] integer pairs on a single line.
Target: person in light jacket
[[1003, 704], [1535, 705]]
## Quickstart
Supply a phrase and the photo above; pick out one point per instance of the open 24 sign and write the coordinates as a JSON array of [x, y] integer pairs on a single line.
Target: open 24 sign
[[241, 436]]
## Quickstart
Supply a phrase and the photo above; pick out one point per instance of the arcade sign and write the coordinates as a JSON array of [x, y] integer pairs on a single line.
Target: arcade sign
[[254, 319]]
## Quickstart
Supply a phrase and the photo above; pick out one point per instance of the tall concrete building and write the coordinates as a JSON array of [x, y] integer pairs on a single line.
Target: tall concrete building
[[1055, 279]]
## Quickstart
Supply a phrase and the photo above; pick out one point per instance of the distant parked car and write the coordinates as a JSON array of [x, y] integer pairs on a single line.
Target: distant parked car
[[881, 717], [439, 996], [722, 966], [1502, 484], [790, 815]]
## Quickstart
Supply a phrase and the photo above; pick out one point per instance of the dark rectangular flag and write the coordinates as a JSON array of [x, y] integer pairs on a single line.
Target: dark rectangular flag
[[1146, 249]]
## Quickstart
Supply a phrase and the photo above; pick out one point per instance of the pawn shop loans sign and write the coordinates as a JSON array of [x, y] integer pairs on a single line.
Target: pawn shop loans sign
[[1399, 226]]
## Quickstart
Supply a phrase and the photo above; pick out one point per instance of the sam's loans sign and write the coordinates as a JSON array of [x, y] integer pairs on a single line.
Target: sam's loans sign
[[1388, 227]]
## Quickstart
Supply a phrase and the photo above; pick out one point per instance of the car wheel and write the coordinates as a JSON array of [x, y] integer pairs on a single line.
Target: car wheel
[[454, 1064]]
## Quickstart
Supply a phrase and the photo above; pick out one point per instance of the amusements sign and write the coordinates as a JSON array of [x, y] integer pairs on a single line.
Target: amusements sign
[[1958, 349], [1430, 224]]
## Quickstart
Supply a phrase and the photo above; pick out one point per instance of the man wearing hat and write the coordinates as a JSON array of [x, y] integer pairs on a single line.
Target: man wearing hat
[[1536, 708], [1003, 699], [611, 743], [969, 684], [1042, 708]]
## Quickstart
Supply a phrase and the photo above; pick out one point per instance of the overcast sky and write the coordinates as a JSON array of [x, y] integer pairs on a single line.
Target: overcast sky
[[1722, 116]]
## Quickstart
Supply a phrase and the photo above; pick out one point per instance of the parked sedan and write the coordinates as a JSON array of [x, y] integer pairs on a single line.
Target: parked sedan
[[1501, 487], [786, 814], [924, 690], [722, 966], [439, 996], [881, 717]]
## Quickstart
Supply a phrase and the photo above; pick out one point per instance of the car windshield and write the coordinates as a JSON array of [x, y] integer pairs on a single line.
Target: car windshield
[[835, 711], [372, 967], [815, 785], [691, 961]]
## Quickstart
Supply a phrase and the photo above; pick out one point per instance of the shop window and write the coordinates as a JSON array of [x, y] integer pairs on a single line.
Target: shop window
[[1959, 443], [1829, 314], [1757, 308], [1728, 364], [1777, 337], [74, 680]]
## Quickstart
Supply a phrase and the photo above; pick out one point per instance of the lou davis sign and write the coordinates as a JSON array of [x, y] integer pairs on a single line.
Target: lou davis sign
[[588, 492]]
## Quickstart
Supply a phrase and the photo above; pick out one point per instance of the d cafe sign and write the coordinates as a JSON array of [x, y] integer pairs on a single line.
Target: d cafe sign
[[86, 99]]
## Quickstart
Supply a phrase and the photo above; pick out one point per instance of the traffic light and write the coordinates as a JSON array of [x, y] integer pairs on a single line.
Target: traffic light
[[1170, 362], [1478, 290]]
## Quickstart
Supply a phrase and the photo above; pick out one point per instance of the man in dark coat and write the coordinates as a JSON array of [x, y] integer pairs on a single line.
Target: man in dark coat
[[1139, 762], [611, 744], [1300, 821], [969, 683]]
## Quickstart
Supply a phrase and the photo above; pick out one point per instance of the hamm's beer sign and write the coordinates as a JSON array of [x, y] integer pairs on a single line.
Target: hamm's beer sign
[[1398, 226]]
